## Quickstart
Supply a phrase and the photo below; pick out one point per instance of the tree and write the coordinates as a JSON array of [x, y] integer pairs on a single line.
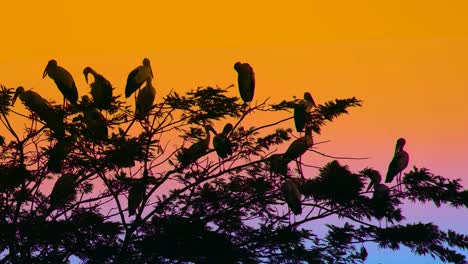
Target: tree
[[132, 198]]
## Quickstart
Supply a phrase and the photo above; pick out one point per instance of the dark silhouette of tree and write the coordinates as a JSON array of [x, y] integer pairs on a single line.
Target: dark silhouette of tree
[[136, 194]]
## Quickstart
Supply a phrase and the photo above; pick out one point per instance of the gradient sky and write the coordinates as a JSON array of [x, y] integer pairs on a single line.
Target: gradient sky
[[407, 61]]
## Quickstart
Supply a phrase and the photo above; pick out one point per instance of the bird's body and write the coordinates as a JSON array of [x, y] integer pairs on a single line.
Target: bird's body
[[63, 191], [144, 102], [299, 146], [399, 162], [381, 191], [292, 196], [277, 164], [42, 109], [135, 196], [59, 152], [94, 120], [222, 144], [137, 77], [195, 151], [101, 89], [246, 81], [301, 111], [63, 79]]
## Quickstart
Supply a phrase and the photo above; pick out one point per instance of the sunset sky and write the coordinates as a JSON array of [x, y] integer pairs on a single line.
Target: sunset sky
[[408, 62]]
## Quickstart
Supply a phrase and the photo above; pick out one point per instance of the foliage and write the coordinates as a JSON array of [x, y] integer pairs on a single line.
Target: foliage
[[211, 210]]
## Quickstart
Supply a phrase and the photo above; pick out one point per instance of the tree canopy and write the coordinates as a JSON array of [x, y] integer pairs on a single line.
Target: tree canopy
[[95, 181]]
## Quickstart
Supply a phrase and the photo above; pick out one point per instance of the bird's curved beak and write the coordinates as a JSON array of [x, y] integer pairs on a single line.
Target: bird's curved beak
[[44, 74], [86, 77], [151, 71], [370, 185], [14, 97]]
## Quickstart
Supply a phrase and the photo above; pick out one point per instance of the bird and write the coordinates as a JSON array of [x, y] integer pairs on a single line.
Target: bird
[[374, 176], [59, 152], [64, 81], [299, 146], [292, 196], [399, 162], [64, 190], [94, 120], [136, 195], [221, 142], [42, 109], [301, 110], [138, 76], [246, 81], [195, 151], [101, 89], [144, 101]]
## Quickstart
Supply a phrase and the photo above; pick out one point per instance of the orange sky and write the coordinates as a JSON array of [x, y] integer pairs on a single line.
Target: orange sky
[[407, 61]]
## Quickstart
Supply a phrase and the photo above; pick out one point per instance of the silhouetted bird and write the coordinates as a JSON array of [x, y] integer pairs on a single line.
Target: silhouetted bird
[[299, 146], [195, 151], [42, 109], [292, 196], [399, 162], [221, 143], [246, 81], [64, 191], [138, 76], [64, 81], [94, 120], [374, 176], [301, 111], [59, 152], [145, 99], [101, 89], [278, 164]]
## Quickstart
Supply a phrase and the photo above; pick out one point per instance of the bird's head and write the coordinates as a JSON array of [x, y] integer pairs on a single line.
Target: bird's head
[[238, 66], [147, 63], [209, 128], [86, 72], [308, 97], [52, 64], [85, 100], [227, 128], [18, 92], [401, 142]]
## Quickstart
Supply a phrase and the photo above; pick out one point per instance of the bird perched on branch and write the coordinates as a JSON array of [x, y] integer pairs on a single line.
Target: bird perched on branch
[[136, 195], [59, 152], [195, 151], [64, 191], [221, 143], [399, 162], [94, 120], [245, 80], [64, 81], [138, 76], [42, 109], [292, 196], [301, 111], [101, 89], [299, 146], [144, 101]]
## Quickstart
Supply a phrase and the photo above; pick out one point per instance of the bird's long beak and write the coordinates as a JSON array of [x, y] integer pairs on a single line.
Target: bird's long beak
[[44, 74], [14, 97], [86, 77], [370, 185], [151, 70]]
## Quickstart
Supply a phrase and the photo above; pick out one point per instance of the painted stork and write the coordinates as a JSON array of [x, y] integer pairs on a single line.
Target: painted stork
[[278, 164], [381, 191], [101, 89], [301, 111], [64, 81], [299, 146], [63, 191], [246, 81], [195, 151], [144, 101], [94, 120], [59, 152], [374, 176], [221, 143], [42, 109], [138, 76], [292, 196], [399, 162], [135, 196]]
